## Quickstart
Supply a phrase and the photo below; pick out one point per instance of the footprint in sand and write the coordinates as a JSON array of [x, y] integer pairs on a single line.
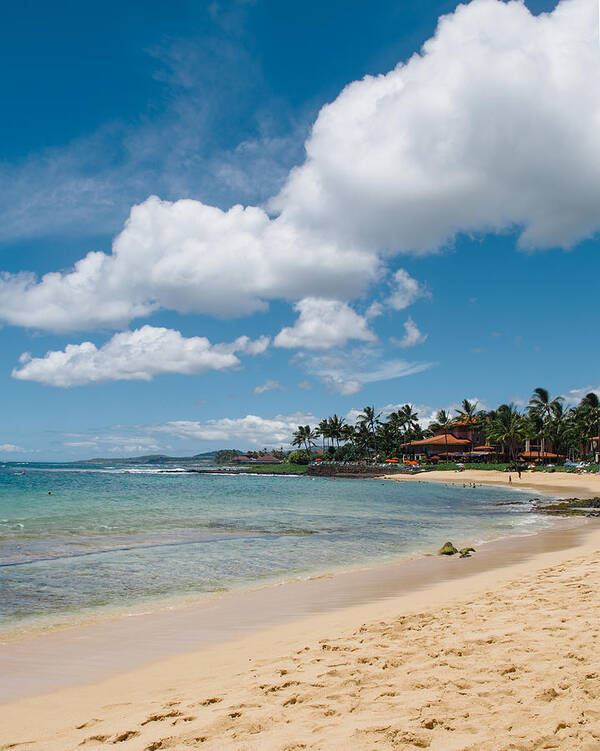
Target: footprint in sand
[[127, 735], [159, 717], [92, 739], [212, 700], [189, 718], [88, 724]]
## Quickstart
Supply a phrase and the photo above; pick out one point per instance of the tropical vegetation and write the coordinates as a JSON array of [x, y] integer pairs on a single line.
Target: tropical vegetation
[[546, 422]]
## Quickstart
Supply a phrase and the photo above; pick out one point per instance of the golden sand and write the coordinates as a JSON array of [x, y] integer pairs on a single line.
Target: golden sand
[[556, 483], [504, 659]]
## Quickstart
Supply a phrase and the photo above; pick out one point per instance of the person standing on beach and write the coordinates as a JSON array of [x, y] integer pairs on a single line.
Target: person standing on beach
[[510, 478]]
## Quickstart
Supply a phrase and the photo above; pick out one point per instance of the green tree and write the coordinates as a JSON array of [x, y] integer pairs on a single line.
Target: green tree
[[336, 428], [543, 405], [467, 412], [442, 422], [368, 420], [304, 436], [299, 457], [507, 428], [589, 409]]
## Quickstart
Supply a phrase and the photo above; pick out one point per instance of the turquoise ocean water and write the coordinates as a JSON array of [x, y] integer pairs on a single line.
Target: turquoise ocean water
[[131, 536]]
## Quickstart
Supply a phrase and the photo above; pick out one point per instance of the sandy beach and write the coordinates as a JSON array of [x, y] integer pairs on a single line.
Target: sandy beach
[[505, 658], [560, 484]]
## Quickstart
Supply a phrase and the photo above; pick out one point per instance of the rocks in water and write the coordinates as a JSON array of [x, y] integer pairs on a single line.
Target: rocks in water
[[466, 552], [448, 549]]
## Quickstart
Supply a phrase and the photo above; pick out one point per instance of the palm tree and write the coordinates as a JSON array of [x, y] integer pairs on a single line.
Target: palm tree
[[347, 432], [304, 436], [298, 437], [336, 426], [442, 422], [590, 410], [323, 431], [467, 411], [541, 404], [410, 418], [508, 428], [309, 438], [369, 420], [467, 414]]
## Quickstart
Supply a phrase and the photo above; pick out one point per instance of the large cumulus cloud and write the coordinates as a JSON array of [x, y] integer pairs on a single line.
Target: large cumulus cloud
[[494, 125]]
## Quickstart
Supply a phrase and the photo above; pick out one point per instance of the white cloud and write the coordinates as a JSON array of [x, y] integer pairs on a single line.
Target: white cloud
[[250, 430], [338, 385], [269, 385], [323, 324], [346, 373], [412, 335], [306, 385], [493, 126], [188, 257], [374, 310], [10, 448], [574, 396], [135, 355], [405, 290], [114, 443]]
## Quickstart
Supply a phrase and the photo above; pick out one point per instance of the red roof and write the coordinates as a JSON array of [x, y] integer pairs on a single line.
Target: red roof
[[264, 459], [267, 459], [484, 448], [447, 439]]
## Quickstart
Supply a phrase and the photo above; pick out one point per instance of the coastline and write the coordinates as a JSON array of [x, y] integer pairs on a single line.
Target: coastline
[[78, 652], [558, 484], [32, 628], [351, 677]]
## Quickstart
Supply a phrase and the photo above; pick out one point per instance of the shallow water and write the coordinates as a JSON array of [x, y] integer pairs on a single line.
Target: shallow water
[[120, 537]]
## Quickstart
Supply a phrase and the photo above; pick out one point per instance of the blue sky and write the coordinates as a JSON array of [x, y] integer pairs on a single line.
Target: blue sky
[[424, 234]]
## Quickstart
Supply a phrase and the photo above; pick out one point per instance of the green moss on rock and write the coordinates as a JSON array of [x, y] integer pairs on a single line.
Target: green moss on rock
[[447, 549]]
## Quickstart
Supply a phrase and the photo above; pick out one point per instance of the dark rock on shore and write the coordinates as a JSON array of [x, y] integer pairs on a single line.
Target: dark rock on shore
[[572, 507]]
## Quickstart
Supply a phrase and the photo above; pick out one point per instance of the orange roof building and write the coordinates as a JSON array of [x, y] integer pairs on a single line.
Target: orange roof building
[[445, 443], [445, 439]]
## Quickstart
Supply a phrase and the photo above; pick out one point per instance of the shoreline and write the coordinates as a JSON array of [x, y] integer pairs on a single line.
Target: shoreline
[[35, 627], [82, 652], [557, 484], [416, 669]]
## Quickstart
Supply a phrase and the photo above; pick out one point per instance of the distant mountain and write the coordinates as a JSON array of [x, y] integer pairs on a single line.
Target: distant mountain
[[208, 457]]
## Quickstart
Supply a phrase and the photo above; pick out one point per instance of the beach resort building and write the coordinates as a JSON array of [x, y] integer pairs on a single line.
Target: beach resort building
[[258, 459], [461, 438]]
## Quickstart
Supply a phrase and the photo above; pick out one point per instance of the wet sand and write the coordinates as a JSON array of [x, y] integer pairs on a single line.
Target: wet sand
[[437, 653]]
